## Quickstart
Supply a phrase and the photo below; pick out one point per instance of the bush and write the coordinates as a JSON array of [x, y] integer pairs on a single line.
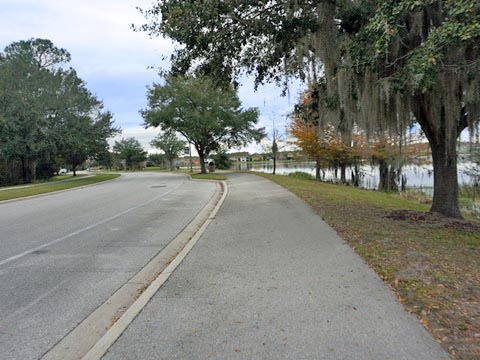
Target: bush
[[302, 175], [222, 161]]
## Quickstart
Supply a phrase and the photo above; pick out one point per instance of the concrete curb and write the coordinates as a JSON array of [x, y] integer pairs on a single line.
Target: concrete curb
[[102, 346], [94, 335]]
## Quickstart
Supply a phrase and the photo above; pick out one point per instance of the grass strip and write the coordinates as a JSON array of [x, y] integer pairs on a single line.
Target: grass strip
[[432, 263], [207, 176], [53, 186]]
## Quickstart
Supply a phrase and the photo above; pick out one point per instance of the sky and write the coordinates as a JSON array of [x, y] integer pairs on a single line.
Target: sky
[[116, 62]]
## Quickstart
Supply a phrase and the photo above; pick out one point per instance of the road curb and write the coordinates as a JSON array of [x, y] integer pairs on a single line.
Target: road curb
[[124, 305], [102, 346]]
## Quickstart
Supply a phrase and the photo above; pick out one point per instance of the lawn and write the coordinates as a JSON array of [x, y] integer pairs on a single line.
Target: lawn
[[432, 263], [207, 176], [57, 185]]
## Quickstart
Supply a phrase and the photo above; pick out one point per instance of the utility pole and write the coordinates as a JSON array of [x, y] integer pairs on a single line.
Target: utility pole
[[190, 153], [274, 148]]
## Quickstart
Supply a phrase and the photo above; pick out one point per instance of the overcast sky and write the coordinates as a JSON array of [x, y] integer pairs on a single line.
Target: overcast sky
[[114, 60]]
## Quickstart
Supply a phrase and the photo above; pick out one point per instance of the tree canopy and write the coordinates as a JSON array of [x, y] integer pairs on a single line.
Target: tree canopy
[[170, 145], [131, 151], [46, 112], [382, 64], [207, 115]]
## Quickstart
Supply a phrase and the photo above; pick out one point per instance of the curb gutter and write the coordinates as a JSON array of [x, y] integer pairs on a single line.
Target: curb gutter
[[92, 338]]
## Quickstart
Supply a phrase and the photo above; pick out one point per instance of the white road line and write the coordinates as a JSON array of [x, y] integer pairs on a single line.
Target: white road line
[[112, 335], [53, 242], [33, 303]]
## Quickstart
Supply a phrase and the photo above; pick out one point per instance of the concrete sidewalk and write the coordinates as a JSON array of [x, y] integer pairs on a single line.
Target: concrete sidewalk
[[270, 280]]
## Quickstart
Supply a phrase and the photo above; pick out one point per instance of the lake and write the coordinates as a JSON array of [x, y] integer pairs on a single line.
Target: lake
[[417, 176]]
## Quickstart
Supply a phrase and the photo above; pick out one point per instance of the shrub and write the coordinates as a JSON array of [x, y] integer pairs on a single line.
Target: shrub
[[302, 175]]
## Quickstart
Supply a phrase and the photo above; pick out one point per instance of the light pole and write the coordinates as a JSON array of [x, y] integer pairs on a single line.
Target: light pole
[[190, 153]]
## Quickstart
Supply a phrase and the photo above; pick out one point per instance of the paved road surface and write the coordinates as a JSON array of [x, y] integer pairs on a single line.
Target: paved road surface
[[270, 280], [62, 255]]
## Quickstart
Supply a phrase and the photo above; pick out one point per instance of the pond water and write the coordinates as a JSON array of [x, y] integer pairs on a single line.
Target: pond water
[[417, 176]]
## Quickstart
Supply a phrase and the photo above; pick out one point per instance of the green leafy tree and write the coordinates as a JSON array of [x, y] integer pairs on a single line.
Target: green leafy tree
[[46, 113], [170, 145], [81, 128], [158, 160], [131, 151], [222, 160], [105, 159], [382, 61], [208, 116], [27, 94]]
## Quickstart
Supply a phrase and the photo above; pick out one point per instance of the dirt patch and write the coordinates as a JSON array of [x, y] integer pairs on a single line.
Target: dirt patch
[[432, 218]]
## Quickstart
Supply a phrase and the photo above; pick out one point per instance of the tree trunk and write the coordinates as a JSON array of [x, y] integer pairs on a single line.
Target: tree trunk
[[392, 179], [404, 183], [343, 172], [26, 170], [383, 175], [203, 168], [445, 180], [274, 164], [317, 169], [356, 182], [33, 169], [442, 136], [172, 167]]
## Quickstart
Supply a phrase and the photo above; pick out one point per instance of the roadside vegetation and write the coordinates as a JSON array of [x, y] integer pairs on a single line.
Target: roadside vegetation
[[205, 110], [47, 187], [48, 119], [431, 262], [373, 67], [207, 176]]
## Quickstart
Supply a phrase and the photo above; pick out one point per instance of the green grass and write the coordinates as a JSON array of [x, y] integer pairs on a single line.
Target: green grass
[[58, 178], [302, 175], [208, 176], [431, 262], [49, 180], [155, 168], [54, 186]]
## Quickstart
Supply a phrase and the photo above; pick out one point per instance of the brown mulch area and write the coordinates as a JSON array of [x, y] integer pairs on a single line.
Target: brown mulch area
[[434, 219]]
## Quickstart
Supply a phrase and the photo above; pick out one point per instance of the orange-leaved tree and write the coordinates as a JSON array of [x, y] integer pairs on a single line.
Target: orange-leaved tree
[[318, 139], [307, 139]]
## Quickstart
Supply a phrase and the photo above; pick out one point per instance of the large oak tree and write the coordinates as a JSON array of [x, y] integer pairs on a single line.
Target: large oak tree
[[382, 60]]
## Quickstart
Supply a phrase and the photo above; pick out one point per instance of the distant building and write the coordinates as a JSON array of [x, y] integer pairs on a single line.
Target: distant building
[[257, 157], [240, 157]]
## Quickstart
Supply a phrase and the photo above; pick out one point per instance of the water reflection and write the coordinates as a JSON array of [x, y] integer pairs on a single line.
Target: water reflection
[[417, 176]]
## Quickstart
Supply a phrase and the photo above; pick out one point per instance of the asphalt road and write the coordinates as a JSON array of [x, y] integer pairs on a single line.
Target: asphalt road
[[62, 255], [269, 279]]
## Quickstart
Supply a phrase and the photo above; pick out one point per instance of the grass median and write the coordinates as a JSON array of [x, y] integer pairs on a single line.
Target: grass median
[[207, 176], [44, 188], [432, 263]]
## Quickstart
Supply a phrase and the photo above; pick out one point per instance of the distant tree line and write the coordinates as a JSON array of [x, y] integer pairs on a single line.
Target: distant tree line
[[48, 118]]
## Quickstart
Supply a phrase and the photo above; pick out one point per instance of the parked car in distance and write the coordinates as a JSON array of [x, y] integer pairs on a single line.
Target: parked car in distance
[[62, 171]]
